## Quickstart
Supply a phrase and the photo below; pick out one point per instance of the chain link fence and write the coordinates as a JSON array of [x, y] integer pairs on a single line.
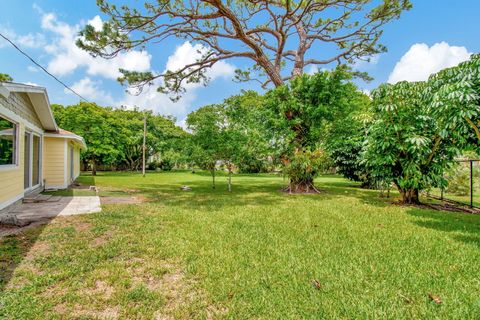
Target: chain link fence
[[463, 184]]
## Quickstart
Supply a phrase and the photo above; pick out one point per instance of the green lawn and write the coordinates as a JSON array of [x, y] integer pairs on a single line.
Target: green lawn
[[253, 253]]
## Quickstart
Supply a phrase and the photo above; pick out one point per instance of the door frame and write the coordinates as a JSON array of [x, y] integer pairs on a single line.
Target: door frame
[[32, 133]]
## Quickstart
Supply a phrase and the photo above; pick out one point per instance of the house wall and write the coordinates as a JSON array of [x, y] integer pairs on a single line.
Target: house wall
[[11, 177], [19, 109], [54, 166]]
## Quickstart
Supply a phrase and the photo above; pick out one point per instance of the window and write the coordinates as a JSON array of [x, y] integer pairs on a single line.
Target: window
[[8, 142]]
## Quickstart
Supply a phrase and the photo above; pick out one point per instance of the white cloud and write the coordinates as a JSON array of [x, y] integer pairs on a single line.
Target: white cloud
[[30, 40], [184, 54], [421, 61], [367, 92], [67, 57], [92, 91], [32, 69], [312, 69], [188, 53], [96, 23]]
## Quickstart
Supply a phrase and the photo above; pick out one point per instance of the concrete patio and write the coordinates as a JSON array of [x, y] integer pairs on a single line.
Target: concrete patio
[[51, 207]]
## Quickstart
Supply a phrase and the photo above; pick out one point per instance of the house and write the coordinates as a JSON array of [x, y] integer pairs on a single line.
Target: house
[[35, 154]]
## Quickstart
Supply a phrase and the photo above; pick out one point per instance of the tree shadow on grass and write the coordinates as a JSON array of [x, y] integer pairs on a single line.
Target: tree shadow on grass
[[463, 227], [336, 188], [14, 249], [202, 194]]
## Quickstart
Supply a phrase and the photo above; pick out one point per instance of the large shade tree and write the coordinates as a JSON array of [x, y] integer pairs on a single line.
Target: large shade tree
[[300, 114], [280, 39]]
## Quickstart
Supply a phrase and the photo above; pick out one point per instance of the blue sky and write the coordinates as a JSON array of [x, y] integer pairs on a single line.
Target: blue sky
[[435, 34]]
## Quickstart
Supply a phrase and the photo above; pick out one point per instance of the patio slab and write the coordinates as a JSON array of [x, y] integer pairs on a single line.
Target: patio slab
[[27, 213]]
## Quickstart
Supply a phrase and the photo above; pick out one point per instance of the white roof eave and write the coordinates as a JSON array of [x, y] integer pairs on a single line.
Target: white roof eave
[[39, 99]]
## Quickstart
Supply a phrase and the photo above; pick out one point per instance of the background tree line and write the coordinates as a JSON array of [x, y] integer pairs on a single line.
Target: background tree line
[[114, 136]]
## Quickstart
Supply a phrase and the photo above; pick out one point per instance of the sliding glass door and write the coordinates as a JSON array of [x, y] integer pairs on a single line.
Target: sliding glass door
[[32, 160]]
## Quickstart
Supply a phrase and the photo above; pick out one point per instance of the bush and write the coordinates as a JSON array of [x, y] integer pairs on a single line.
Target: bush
[[166, 165], [253, 166], [458, 180]]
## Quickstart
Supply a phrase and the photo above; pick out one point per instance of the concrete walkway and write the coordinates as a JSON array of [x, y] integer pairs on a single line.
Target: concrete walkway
[[27, 213]]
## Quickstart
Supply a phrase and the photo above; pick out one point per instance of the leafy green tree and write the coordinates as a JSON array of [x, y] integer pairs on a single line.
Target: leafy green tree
[[454, 97], [97, 126], [408, 143], [419, 128], [345, 136], [298, 115], [246, 116], [115, 136], [5, 77], [206, 139], [217, 137]]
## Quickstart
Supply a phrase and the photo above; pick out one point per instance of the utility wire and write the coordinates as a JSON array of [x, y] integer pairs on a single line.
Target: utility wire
[[41, 67]]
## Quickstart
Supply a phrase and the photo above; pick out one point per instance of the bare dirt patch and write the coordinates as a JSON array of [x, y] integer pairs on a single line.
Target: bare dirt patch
[[101, 289], [101, 240], [39, 248], [107, 313], [122, 200]]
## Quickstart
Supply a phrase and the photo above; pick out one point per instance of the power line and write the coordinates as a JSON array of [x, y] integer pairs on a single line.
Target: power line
[[41, 67]]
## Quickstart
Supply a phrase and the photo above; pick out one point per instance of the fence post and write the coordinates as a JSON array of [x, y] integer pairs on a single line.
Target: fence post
[[471, 183]]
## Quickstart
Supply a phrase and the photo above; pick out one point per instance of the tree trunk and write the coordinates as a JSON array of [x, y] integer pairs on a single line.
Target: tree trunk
[[229, 180], [213, 178], [94, 168], [409, 196], [301, 186]]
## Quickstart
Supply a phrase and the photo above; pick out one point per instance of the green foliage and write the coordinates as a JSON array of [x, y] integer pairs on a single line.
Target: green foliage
[[304, 165], [300, 113], [115, 136], [458, 179], [419, 128], [454, 97], [5, 77], [246, 117], [345, 137]]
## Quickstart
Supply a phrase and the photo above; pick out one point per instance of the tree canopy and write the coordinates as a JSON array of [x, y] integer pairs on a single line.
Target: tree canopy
[[5, 77], [420, 128], [279, 38], [114, 136], [299, 114]]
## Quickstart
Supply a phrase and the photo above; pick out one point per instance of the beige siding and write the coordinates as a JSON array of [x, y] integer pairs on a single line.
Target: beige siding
[[54, 162], [11, 179], [20, 104]]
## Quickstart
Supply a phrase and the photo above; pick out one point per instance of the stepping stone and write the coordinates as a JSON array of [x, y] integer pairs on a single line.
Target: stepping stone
[[42, 197], [54, 199]]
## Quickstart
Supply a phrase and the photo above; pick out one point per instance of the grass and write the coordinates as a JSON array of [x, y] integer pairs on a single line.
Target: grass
[[254, 253]]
